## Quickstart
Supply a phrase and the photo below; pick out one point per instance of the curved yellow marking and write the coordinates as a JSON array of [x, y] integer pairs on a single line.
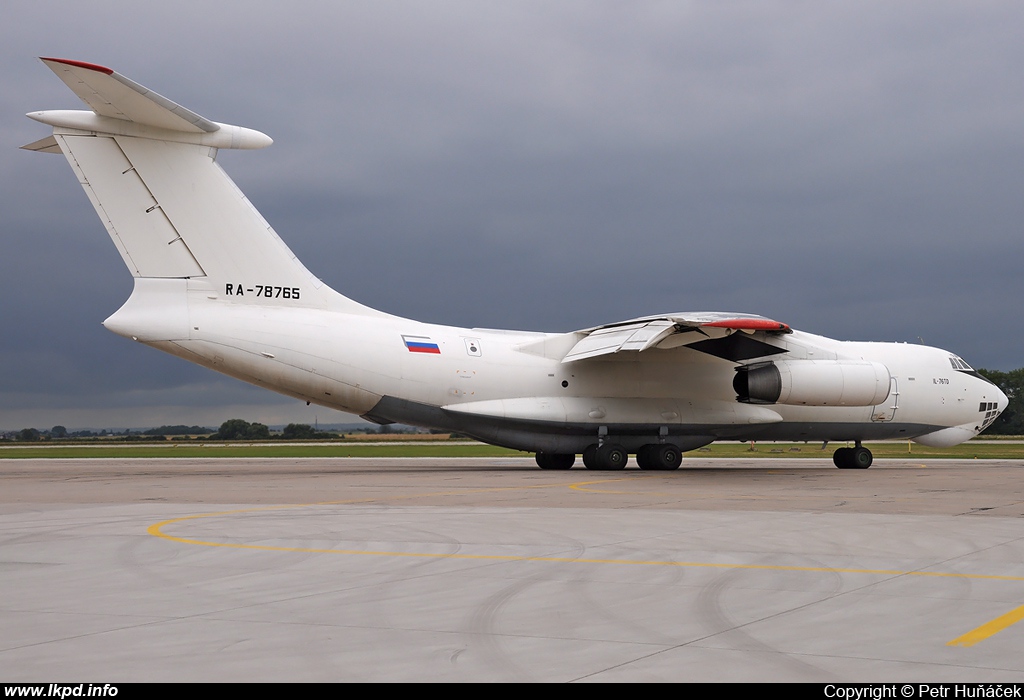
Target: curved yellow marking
[[969, 639], [156, 530], [991, 627]]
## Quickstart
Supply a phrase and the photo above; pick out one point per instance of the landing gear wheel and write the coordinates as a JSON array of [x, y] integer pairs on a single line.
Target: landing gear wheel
[[860, 458], [667, 457], [840, 457], [607, 457], [611, 457], [551, 460], [852, 458], [659, 457]]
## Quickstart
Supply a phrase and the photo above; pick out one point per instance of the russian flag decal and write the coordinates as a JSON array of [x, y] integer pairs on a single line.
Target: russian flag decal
[[419, 343]]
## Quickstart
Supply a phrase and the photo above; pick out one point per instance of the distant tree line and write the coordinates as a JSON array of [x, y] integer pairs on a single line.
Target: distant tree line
[[233, 429], [57, 431], [238, 429], [178, 430]]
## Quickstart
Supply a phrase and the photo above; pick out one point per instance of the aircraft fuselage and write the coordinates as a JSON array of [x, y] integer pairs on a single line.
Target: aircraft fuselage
[[512, 388]]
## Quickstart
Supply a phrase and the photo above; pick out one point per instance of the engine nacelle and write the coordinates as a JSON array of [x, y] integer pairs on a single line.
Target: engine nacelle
[[813, 383]]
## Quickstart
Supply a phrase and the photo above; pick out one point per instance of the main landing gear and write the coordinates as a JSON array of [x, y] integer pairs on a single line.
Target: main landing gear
[[858, 457], [612, 457], [609, 456]]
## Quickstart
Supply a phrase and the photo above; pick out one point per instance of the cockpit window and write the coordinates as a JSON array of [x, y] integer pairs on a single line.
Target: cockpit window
[[959, 364]]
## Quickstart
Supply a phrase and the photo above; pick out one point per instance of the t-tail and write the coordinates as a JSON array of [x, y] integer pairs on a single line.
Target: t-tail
[[183, 228]]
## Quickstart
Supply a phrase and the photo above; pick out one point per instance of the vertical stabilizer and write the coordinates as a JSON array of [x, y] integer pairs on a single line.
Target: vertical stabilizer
[[149, 168]]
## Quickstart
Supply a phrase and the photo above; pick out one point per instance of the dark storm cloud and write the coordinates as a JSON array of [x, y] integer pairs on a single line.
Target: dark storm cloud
[[853, 169]]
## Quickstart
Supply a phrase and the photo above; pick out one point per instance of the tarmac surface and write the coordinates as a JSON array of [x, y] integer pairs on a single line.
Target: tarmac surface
[[489, 569]]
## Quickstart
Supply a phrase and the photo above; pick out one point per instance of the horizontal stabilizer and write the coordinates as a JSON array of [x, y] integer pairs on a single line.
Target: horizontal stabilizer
[[45, 145], [122, 107], [110, 94]]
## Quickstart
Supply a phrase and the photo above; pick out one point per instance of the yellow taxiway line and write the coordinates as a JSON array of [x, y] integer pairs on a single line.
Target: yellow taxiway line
[[980, 634]]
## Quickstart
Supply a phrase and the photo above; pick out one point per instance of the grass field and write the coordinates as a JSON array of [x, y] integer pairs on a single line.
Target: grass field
[[766, 450]]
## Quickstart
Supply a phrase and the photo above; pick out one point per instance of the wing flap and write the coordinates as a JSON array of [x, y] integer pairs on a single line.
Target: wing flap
[[633, 337], [638, 335]]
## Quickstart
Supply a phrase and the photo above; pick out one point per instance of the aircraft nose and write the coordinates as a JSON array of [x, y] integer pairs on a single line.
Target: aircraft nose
[[1002, 401], [993, 402]]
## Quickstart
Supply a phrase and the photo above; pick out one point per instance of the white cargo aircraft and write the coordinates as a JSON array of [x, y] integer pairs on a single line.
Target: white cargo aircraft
[[216, 286]]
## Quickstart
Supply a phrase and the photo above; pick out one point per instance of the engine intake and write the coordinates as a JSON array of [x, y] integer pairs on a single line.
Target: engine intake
[[813, 383]]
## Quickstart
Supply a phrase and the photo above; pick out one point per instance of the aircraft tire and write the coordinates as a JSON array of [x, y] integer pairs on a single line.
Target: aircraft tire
[[611, 457], [860, 458], [590, 457], [667, 457], [852, 458], [551, 460], [659, 457]]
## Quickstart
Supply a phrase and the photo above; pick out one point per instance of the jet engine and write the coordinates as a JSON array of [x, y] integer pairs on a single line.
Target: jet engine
[[813, 383]]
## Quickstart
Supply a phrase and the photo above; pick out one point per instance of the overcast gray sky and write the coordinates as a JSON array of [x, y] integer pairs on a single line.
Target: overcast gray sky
[[854, 169]]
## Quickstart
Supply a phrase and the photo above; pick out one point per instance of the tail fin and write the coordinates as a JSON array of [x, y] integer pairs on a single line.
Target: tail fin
[[148, 166]]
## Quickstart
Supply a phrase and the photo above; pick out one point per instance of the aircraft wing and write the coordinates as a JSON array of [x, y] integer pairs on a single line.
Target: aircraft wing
[[641, 334]]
